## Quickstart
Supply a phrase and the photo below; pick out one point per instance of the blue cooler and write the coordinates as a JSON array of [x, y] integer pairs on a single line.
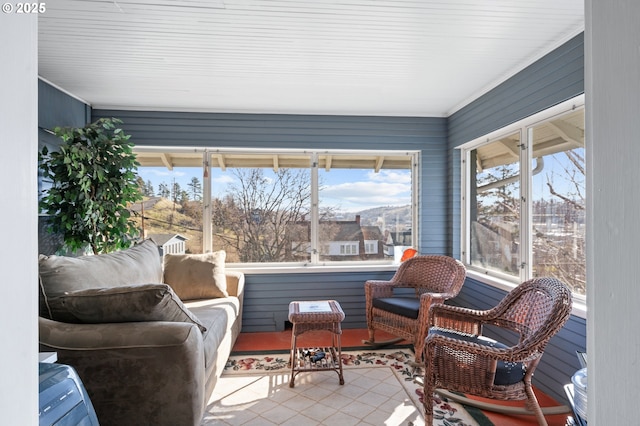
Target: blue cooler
[[63, 400]]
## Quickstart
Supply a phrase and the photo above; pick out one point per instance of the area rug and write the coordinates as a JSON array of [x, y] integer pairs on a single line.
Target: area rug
[[379, 389]]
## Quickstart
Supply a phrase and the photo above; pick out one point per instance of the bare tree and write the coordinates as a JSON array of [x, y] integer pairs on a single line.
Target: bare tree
[[253, 218], [562, 253], [558, 221]]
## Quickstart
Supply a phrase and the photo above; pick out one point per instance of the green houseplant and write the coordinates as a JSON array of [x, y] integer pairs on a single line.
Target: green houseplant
[[93, 182]]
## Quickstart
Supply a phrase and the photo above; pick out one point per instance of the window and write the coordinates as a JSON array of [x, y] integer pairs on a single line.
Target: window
[[495, 212], [371, 246], [524, 199], [274, 207]]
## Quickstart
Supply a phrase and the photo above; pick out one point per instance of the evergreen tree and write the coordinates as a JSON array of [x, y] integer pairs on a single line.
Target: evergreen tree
[[149, 191], [176, 191], [196, 189], [163, 190]]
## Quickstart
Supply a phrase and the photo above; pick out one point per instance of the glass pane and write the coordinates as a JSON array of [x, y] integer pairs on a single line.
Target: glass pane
[[261, 214], [364, 213], [558, 194], [171, 211], [495, 205]]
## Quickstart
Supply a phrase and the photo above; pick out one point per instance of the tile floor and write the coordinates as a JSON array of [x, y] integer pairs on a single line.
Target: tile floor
[[281, 340], [374, 396]]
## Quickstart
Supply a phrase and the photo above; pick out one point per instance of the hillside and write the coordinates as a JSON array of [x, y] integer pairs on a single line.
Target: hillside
[[387, 214], [165, 217]]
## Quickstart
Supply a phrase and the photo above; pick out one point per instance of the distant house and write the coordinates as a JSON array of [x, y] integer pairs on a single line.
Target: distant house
[[373, 241], [169, 243], [396, 238], [339, 240]]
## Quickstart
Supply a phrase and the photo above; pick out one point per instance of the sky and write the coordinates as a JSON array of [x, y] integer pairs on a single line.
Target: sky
[[349, 190]]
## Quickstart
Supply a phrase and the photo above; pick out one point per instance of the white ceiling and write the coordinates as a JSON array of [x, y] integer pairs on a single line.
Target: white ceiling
[[362, 57]]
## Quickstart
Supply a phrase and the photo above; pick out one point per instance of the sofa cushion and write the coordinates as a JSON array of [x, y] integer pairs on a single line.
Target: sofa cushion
[[220, 316], [406, 306], [136, 303], [196, 276], [139, 264]]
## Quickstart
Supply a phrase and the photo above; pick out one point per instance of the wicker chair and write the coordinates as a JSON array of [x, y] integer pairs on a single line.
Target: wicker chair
[[458, 358], [433, 278]]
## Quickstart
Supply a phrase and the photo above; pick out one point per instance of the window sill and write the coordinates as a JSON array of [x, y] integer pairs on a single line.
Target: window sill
[[311, 269], [579, 307]]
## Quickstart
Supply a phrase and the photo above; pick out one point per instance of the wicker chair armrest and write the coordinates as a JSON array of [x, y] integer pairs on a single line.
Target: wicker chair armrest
[[431, 298], [462, 346], [462, 320], [518, 353], [376, 288]]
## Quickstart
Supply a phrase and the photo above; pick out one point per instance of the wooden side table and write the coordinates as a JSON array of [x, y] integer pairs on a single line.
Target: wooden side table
[[316, 315]]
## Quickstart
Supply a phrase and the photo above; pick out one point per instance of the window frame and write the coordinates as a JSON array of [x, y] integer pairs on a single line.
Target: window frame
[[207, 154], [524, 128]]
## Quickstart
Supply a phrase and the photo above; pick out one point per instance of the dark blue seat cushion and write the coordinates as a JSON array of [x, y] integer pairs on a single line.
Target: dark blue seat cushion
[[507, 373], [405, 306]]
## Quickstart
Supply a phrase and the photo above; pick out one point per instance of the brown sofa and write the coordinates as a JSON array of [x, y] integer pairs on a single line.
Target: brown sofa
[[148, 342]]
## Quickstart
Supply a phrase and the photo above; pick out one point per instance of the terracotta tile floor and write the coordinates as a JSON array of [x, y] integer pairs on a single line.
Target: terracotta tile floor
[[281, 340]]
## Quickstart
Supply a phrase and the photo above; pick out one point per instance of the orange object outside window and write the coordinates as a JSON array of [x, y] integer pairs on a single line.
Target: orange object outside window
[[408, 254]]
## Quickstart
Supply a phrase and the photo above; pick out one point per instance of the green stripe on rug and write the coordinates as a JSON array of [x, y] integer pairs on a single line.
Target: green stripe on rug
[[478, 416]]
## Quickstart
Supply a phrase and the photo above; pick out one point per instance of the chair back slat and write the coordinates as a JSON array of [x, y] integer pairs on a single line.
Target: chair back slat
[[430, 273], [536, 309]]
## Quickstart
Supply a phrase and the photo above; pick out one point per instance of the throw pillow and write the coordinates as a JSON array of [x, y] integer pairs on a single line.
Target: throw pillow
[[196, 276], [139, 264], [136, 303]]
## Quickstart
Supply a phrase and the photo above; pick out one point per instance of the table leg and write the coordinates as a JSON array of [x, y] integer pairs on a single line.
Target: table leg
[[293, 356]]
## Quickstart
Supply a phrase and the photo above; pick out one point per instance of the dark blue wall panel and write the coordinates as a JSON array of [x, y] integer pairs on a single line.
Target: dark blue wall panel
[[267, 296], [57, 109], [279, 131]]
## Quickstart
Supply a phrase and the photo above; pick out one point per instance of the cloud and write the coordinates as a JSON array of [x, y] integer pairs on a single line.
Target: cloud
[[395, 176], [224, 179], [145, 172], [362, 195]]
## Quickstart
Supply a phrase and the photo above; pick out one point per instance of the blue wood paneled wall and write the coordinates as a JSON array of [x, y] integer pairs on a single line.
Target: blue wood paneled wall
[[553, 79], [267, 296], [57, 109]]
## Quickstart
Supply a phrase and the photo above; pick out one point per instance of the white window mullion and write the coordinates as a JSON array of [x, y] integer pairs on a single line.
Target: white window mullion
[[465, 230], [526, 257], [415, 199], [207, 237], [315, 214]]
